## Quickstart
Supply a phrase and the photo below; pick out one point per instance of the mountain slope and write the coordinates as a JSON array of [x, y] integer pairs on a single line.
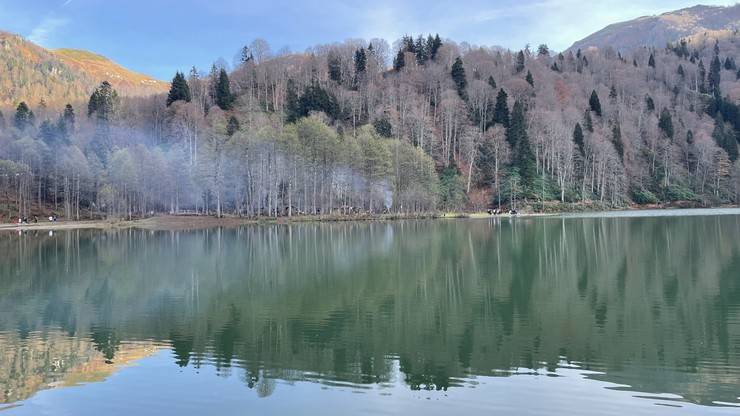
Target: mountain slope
[[657, 31], [31, 73]]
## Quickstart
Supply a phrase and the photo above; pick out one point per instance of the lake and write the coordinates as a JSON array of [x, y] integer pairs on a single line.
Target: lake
[[586, 314]]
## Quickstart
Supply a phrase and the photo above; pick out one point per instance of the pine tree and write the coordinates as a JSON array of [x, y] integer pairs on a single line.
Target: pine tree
[[724, 135], [701, 76], [434, 47], [492, 82], [360, 61], [613, 93], [501, 109], [232, 126], [665, 123], [383, 127], [516, 135], [649, 103], [530, 78], [681, 71], [543, 50], [421, 51], [519, 62], [578, 139], [651, 61], [179, 90], [292, 103], [334, 63], [23, 117], [224, 99], [68, 118], [3, 124], [715, 69], [458, 76], [315, 98], [594, 103], [103, 102], [400, 60]]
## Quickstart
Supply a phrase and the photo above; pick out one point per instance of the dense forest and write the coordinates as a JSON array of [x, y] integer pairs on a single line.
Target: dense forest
[[363, 127]]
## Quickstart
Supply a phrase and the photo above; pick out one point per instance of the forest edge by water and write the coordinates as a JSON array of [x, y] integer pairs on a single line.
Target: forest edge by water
[[186, 222]]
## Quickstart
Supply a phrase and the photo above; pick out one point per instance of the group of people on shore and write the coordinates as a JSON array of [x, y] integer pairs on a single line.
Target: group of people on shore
[[499, 211], [25, 221]]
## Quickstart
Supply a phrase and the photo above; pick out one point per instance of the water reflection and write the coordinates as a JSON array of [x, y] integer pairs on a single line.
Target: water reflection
[[646, 304]]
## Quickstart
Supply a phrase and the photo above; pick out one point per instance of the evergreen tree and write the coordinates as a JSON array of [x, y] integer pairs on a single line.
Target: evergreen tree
[[69, 116], [434, 47], [651, 61], [730, 64], [224, 97], [613, 93], [587, 121], [715, 69], [232, 126], [543, 50], [360, 61], [530, 78], [421, 51], [3, 124], [501, 109], [458, 76], [578, 139], [649, 103], [524, 158], [179, 90], [519, 62], [725, 137], [701, 76], [335, 67], [400, 60], [292, 102], [103, 102], [665, 123], [315, 98], [23, 117], [681, 71], [383, 127], [594, 103], [554, 67], [492, 82]]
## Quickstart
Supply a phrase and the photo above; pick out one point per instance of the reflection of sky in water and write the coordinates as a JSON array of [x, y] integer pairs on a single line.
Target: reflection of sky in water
[[153, 386]]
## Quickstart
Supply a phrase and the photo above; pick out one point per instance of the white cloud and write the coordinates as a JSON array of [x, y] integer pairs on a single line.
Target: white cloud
[[40, 34]]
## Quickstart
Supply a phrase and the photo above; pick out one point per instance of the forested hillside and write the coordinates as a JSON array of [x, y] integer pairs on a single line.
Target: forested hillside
[[361, 126], [42, 77]]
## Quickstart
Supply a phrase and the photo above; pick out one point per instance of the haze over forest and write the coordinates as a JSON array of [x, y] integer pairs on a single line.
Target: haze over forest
[[365, 126]]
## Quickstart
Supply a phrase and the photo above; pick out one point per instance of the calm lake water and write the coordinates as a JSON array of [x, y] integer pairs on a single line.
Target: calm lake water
[[570, 315]]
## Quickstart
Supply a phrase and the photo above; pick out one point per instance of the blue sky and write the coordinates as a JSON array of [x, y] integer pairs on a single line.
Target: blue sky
[[159, 37]]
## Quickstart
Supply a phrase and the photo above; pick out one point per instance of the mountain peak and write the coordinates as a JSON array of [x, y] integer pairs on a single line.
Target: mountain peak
[[658, 30]]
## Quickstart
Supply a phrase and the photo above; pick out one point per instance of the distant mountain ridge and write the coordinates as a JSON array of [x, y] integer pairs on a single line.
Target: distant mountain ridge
[[32, 73], [657, 31]]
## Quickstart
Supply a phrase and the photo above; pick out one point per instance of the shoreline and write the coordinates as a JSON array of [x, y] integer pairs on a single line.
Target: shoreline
[[193, 222]]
